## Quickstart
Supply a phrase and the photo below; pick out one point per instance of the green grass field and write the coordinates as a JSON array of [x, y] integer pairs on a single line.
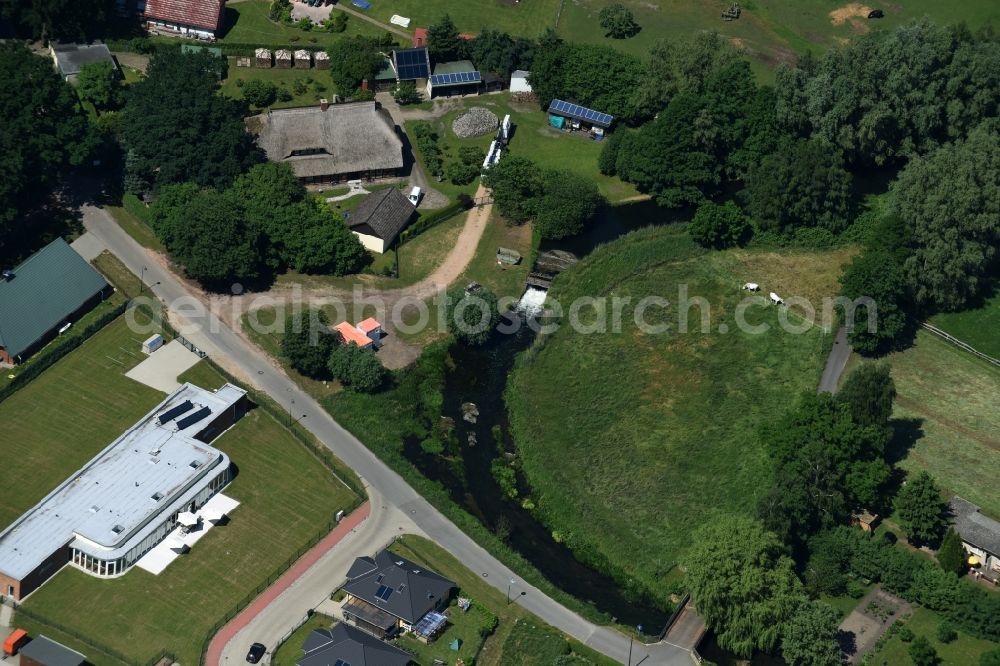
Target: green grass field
[[952, 397], [963, 651], [631, 440], [306, 86], [976, 327], [63, 417], [289, 652], [247, 23], [286, 498]]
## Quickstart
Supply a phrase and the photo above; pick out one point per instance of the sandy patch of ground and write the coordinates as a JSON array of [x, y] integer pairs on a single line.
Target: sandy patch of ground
[[854, 13]]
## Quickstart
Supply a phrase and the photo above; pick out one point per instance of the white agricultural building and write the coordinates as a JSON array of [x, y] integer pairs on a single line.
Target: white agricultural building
[[127, 499], [519, 82]]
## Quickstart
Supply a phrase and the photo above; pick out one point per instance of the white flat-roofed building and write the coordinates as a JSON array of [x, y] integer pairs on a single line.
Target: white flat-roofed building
[[127, 498]]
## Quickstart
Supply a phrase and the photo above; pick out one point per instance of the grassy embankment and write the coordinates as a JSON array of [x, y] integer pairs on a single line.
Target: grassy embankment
[[653, 434]]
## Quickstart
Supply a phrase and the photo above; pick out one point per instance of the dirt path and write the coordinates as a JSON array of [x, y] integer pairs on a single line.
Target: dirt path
[[364, 17], [458, 259]]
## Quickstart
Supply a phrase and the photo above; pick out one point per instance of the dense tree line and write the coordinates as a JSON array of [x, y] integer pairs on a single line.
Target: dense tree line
[[263, 223], [44, 133], [175, 128], [59, 20], [491, 50]]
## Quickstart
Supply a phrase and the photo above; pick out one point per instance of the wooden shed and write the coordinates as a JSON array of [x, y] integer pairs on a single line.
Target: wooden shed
[[303, 59], [283, 59], [262, 58]]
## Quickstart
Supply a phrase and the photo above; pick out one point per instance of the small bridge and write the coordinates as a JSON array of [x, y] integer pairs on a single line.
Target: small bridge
[[539, 280]]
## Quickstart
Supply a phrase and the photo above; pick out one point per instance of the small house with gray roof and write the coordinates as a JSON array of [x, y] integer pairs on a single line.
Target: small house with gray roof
[[43, 651], [71, 58], [343, 644], [380, 218], [331, 143], [44, 295], [388, 594], [980, 535]]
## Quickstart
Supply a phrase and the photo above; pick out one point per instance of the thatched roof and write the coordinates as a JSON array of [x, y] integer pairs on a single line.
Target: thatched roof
[[383, 214], [351, 137]]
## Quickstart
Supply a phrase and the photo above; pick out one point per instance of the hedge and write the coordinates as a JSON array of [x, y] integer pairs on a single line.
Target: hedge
[[435, 218]]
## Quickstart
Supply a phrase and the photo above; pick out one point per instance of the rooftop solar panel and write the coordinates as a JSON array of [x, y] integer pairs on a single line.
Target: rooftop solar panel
[[580, 113], [411, 63], [194, 418], [458, 78], [174, 412]]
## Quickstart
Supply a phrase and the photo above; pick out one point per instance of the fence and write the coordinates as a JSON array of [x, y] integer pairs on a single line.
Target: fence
[[673, 617], [90, 643], [958, 343]]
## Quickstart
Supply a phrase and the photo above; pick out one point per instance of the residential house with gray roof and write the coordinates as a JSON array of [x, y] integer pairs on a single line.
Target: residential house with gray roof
[[388, 594], [343, 644], [980, 535], [49, 291], [380, 218]]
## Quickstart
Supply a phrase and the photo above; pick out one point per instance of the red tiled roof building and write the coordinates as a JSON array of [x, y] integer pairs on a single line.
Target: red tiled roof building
[[191, 18]]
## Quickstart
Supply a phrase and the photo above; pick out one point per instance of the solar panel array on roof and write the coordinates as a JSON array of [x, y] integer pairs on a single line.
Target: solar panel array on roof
[[458, 78], [580, 113], [193, 418], [411, 64], [174, 412]]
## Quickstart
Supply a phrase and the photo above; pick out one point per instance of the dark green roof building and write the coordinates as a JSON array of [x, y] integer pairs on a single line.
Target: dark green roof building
[[51, 289]]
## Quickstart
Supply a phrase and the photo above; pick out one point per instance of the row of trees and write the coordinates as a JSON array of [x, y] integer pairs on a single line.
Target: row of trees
[[263, 223]]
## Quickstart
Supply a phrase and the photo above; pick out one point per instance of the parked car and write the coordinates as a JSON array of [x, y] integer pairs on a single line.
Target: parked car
[[257, 651], [414, 196]]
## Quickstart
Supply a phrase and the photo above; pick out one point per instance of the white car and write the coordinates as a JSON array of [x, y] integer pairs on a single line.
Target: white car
[[414, 196]]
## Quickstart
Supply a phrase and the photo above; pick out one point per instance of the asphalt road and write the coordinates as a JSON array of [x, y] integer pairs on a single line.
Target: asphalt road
[[835, 362], [231, 351]]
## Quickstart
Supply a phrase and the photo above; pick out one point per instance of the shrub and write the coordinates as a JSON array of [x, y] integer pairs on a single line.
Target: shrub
[[855, 590], [307, 343], [946, 632], [922, 652], [990, 658], [905, 634], [356, 367], [719, 226], [617, 21], [259, 93], [461, 173]]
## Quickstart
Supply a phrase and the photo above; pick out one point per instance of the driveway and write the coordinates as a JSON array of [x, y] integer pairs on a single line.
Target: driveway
[[835, 362], [161, 368]]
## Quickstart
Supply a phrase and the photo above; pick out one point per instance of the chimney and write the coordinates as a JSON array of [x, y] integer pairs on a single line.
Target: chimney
[[324, 104], [364, 84]]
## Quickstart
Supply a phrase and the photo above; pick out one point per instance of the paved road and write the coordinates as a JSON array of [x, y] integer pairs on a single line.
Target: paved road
[[835, 363], [230, 350]]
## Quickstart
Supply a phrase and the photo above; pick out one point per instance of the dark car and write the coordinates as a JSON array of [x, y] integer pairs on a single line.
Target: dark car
[[257, 651]]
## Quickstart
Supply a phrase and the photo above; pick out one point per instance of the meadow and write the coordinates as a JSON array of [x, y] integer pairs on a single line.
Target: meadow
[[947, 399], [623, 455], [247, 22], [286, 498], [305, 86], [976, 327], [962, 651]]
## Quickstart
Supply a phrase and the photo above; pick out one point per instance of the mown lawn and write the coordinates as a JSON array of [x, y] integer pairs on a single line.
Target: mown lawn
[[247, 23], [140, 232], [631, 440], [977, 327], [63, 417], [289, 652], [286, 498], [948, 399], [963, 651]]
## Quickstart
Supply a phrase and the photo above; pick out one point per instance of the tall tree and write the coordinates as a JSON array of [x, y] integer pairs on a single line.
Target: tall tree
[[810, 636], [742, 583], [99, 83], [951, 200], [443, 42], [209, 237], [869, 393], [357, 368], [516, 185], [568, 202], [922, 652], [802, 184], [44, 133], [59, 20], [951, 555], [353, 60], [719, 226], [307, 343], [617, 21], [921, 510], [874, 280], [472, 317], [178, 129]]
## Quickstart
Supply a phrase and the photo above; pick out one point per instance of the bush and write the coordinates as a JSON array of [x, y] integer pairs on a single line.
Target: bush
[[855, 590], [946, 632], [461, 173], [356, 367], [905, 634], [719, 226], [259, 93], [922, 652], [990, 658], [307, 343], [617, 21]]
